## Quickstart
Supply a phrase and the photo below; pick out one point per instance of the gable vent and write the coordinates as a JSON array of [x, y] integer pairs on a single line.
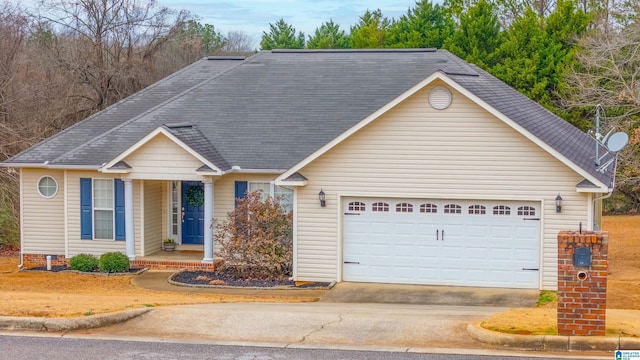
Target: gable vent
[[440, 98]]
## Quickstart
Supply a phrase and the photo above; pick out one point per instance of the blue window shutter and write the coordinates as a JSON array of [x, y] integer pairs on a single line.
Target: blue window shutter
[[86, 213], [241, 190], [119, 206]]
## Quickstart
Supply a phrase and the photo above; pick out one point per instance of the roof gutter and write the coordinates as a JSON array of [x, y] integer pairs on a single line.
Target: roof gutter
[[238, 170], [46, 165]]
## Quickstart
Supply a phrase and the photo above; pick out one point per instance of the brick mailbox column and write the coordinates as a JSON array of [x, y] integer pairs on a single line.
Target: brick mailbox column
[[582, 290]]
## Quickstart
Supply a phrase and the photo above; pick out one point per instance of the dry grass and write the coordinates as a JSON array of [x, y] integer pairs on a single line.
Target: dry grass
[[70, 294], [623, 289]]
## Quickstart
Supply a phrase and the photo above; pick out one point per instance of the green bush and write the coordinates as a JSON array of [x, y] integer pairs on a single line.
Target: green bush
[[84, 263], [114, 262]]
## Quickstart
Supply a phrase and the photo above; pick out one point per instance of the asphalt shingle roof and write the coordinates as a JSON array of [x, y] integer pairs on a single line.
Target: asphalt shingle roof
[[275, 108]]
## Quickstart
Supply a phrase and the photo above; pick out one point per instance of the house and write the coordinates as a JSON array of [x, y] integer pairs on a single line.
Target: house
[[432, 170]]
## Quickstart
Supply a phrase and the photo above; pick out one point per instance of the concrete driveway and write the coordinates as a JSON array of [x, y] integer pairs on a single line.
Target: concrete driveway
[[397, 325]]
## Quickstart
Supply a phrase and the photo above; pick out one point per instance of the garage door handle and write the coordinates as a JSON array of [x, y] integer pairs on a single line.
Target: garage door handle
[[442, 235], [352, 262], [531, 219], [351, 213], [437, 235], [526, 269]]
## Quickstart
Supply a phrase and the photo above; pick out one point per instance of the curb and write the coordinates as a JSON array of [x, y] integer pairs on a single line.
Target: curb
[[65, 324], [552, 342]]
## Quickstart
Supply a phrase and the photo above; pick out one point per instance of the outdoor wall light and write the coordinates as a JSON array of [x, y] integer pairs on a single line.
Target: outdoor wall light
[[321, 196], [558, 203]]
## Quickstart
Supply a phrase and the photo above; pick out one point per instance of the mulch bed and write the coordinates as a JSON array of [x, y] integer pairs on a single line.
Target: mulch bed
[[231, 277], [61, 268]]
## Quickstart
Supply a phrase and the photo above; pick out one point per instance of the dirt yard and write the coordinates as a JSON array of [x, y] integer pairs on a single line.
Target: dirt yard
[[69, 294], [623, 289]]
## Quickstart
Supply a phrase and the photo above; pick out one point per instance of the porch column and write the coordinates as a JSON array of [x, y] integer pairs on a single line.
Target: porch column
[[208, 222], [128, 219]]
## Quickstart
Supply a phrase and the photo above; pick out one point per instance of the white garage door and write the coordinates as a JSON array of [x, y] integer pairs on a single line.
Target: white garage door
[[442, 242]]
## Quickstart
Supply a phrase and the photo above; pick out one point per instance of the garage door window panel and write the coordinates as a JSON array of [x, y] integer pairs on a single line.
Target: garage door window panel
[[501, 210], [428, 209], [452, 209], [380, 207], [526, 211], [404, 208], [357, 206], [477, 210]]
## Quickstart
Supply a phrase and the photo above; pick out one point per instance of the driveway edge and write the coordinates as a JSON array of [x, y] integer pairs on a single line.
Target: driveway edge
[[65, 324], [552, 342]]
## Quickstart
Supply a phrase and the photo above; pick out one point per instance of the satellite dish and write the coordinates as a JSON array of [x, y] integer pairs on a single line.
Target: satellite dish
[[617, 142], [606, 137]]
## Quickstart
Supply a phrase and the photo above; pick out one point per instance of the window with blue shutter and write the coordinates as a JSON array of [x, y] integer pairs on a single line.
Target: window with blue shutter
[[86, 218], [119, 206], [241, 190], [86, 209]]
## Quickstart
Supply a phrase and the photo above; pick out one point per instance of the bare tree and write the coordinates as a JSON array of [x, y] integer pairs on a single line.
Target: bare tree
[[238, 42], [108, 45], [608, 73]]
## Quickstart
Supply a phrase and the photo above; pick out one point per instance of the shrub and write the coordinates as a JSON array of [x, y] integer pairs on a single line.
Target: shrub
[[84, 263], [257, 238], [114, 262]]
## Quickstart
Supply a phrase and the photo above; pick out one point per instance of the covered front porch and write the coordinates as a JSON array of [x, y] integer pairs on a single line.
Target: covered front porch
[[159, 210]]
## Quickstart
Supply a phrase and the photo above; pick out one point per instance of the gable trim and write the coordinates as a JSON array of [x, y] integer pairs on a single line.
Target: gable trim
[[106, 168], [439, 75]]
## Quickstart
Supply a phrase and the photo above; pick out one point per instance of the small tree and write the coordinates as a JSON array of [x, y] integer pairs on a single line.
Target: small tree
[[257, 237]]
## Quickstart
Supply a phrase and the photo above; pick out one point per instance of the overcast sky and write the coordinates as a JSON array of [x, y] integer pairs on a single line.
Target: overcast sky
[[253, 16]]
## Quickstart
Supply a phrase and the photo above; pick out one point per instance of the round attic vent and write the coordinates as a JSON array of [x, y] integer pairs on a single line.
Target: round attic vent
[[440, 98]]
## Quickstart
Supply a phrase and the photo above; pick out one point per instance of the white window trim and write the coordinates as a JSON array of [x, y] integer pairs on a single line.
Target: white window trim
[[112, 209], [54, 181], [177, 237], [272, 190]]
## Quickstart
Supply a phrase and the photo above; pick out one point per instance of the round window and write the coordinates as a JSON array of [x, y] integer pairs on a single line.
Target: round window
[[47, 186]]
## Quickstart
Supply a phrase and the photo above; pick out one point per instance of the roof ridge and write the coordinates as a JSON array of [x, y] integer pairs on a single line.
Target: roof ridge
[[458, 61], [216, 153], [135, 118], [346, 51]]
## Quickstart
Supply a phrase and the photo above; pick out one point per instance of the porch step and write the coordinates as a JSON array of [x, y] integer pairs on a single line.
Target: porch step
[[175, 265]]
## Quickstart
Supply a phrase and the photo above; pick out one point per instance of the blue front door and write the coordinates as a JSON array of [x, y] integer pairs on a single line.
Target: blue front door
[[193, 209]]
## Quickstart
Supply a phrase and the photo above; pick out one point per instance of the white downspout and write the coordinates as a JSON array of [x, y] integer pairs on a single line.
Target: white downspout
[[21, 265]]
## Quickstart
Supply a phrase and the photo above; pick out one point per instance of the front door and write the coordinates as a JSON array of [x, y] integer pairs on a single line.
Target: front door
[[193, 212]]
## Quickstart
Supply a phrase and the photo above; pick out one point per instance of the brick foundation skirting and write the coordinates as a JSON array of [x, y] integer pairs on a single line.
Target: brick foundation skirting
[[38, 260], [582, 290]]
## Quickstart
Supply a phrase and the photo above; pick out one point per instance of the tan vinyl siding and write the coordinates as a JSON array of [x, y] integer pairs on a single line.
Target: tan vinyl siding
[[42, 218], [153, 216], [162, 159], [414, 151]]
